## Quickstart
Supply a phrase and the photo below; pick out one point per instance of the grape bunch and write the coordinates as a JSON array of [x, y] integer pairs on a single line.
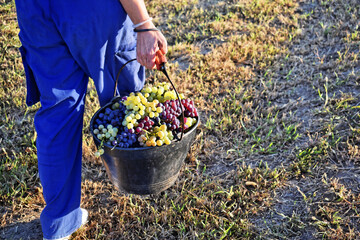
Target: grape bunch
[[172, 113], [151, 117], [190, 110], [158, 137]]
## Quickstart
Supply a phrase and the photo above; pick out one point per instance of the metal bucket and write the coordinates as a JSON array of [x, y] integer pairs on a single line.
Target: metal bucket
[[145, 170]]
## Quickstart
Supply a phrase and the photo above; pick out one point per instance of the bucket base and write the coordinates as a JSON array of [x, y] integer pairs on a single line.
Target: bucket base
[[147, 189]]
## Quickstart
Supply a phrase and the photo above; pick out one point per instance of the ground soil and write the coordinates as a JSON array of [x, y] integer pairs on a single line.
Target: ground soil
[[297, 96]]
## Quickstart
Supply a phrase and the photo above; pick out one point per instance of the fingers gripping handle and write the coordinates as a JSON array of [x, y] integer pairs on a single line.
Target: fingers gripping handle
[[160, 60]]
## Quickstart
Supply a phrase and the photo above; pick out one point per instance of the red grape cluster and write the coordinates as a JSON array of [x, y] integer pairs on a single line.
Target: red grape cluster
[[190, 110], [172, 112], [145, 124]]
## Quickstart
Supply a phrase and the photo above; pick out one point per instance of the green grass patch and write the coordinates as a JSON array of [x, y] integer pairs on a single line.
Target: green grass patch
[[276, 84]]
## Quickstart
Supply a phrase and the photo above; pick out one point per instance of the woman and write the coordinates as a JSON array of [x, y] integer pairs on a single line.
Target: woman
[[63, 44]]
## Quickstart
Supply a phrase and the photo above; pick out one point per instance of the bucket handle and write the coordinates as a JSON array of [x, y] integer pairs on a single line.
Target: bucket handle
[[163, 69]]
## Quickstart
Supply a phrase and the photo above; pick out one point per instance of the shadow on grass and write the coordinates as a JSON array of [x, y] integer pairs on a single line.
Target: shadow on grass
[[22, 230]]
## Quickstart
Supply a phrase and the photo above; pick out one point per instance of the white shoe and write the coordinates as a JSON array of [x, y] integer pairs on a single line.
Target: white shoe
[[84, 216], [84, 219]]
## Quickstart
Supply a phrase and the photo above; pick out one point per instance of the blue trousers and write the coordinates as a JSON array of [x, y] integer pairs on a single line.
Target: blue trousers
[[63, 44]]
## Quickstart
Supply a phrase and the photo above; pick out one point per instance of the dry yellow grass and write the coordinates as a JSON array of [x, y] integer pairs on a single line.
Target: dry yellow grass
[[277, 155]]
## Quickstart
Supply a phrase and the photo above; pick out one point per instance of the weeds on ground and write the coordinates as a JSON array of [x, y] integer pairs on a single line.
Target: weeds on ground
[[276, 156]]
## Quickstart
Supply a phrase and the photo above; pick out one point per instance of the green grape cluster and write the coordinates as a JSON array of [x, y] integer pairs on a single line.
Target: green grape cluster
[[158, 137], [159, 91]]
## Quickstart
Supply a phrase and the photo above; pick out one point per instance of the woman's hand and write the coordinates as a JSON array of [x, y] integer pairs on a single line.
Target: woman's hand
[[148, 44]]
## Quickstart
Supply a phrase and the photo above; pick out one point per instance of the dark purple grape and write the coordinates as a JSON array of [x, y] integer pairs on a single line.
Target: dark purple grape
[[107, 111], [114, 122]]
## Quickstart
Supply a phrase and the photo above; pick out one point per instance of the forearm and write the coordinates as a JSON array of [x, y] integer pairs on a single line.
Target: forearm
[[136, 10], [149, 43]]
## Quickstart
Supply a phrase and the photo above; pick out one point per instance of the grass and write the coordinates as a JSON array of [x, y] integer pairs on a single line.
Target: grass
[[276, 156]]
